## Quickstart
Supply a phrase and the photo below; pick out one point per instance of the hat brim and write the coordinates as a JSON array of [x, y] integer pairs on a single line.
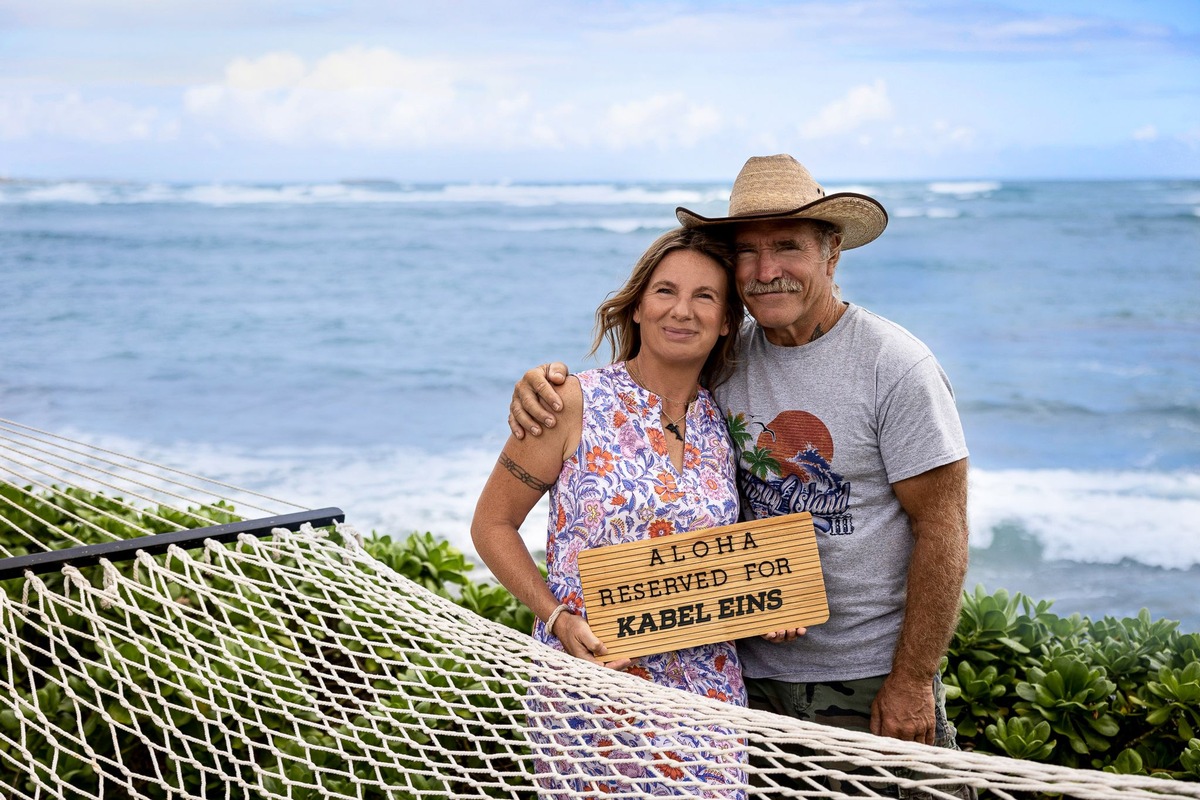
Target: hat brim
[[860, 218]]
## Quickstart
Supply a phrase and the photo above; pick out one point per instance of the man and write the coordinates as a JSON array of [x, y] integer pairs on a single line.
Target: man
[[836, 411]]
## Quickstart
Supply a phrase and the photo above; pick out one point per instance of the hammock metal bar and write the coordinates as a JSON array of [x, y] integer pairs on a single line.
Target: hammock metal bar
[[127, 549]]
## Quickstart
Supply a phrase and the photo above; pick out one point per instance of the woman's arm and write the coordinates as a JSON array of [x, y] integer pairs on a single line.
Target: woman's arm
[[522, 474], [526, 470]]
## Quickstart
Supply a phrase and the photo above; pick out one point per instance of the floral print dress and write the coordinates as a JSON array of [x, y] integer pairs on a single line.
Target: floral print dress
[[621, 486]]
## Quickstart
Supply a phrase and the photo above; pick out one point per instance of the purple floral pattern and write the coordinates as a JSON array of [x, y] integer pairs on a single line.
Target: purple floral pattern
[[621, 486]]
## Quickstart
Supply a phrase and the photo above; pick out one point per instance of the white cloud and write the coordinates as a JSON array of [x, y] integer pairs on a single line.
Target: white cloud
[[376, 98], [663, 120], [862, 104], [1039, 28], [272, 71], [928, 138], [73, 117], [598, 89], [354, 96], [1146, 133], [379, 98], [947, 133]]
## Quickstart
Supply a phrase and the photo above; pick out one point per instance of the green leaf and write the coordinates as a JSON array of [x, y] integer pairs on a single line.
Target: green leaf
[[1127, 763], [1159, 715], [1105, 725]]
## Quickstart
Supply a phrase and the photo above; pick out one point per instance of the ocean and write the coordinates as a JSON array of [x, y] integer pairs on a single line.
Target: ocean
[[355, 345]]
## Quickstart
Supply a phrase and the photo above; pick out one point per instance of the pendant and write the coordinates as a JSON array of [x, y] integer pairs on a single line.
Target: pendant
[[673, 428]]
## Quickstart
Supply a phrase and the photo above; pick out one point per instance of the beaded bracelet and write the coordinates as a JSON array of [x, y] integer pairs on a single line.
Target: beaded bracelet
[[554, 617]]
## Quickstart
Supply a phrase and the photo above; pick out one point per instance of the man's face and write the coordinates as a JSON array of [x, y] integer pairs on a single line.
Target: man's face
[[782, 277]]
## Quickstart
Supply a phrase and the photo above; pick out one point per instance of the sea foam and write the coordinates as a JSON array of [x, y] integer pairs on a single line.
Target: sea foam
[[1080, 516], [356, 192], [1093, 517], [963, 187]]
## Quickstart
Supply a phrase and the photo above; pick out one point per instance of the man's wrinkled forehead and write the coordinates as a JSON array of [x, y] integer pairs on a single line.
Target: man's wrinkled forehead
[[774, 230]]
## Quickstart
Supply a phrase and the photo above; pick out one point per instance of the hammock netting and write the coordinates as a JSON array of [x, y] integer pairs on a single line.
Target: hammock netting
[[296, 665]]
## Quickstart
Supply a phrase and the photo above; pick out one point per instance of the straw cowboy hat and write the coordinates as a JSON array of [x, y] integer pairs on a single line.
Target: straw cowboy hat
[[779, 187]]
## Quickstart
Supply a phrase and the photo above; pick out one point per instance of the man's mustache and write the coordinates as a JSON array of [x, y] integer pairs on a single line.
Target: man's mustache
[[780, 284]]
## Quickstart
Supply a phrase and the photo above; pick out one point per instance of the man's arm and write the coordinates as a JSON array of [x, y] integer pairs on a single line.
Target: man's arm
[[536, 401], [936, 504]]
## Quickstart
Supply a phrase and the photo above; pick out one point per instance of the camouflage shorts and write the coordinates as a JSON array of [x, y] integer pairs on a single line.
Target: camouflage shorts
[[847, 704]]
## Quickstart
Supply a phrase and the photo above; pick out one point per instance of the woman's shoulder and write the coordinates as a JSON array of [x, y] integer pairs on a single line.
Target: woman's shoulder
[[708, 408], [612, 377], [571, 393]]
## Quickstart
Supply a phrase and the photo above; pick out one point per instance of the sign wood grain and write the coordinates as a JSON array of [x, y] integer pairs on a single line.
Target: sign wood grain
[[704, 586]]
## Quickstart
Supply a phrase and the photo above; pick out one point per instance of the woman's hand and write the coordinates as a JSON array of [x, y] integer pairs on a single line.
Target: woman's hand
[[578, 640]]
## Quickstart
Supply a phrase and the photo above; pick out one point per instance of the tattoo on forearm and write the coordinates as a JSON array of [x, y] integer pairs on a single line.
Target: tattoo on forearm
[[524, 477]]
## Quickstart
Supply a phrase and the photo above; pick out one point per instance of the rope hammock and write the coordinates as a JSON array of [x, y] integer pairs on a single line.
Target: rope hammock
[[295, 665]]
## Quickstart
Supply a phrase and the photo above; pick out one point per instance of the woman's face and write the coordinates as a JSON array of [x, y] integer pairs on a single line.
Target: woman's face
[[682, 309]]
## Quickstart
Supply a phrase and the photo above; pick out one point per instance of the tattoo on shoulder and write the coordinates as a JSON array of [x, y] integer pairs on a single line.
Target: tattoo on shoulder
[[524, 477]]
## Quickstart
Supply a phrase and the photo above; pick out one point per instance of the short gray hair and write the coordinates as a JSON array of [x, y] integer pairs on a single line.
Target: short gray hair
[[826, 231]]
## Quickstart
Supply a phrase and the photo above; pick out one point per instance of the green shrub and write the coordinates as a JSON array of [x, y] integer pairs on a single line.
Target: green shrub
[[282, 764], [1122, 695]]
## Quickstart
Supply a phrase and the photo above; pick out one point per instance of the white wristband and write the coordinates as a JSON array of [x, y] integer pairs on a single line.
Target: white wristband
[[554, 617]]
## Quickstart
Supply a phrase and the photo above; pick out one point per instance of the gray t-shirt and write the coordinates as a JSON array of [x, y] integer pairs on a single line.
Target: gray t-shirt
[[827, 427]]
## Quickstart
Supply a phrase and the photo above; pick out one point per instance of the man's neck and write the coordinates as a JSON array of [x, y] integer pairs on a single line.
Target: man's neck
[[803, 334]]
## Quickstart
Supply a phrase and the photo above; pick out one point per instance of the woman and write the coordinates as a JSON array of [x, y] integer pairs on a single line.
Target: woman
[[642, 451]]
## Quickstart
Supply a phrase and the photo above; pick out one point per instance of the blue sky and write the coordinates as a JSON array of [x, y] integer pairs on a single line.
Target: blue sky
[[486, 90]]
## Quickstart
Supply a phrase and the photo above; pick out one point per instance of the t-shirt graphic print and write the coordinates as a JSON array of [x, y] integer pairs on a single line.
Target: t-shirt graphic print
[[784, 468]]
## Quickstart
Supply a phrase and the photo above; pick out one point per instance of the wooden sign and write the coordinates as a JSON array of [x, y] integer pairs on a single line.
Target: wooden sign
[[704, 586]]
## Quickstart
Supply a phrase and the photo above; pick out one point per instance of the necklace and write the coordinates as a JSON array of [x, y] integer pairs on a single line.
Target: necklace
[[672, 424]]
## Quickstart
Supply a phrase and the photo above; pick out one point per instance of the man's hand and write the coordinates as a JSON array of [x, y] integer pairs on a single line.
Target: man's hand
[[535, 399], [786, 635], [904, 711]]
